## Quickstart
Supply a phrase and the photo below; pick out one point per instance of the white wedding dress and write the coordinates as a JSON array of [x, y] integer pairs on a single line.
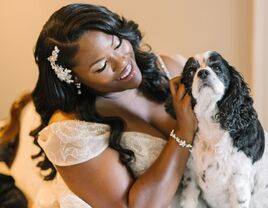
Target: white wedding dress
[[72, 142]]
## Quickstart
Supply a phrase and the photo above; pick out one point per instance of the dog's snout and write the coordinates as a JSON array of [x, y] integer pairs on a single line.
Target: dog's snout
[[203, 74]]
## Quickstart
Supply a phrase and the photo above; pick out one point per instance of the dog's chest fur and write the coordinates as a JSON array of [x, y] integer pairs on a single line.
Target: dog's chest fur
[[214, 158], [229, 160]]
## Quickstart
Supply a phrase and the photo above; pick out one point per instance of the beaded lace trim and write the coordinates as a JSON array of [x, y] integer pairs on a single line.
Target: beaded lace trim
[[73, 142], [163, 66], [80, 141]]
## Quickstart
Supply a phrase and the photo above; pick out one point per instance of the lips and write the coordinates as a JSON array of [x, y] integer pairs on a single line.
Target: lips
[[127, 73]]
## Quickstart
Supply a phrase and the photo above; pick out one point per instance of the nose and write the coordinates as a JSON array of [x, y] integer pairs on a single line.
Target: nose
[[203, 74], [120, 63]]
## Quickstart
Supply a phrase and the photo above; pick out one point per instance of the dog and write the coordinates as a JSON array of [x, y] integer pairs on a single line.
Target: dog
[[228, 166]]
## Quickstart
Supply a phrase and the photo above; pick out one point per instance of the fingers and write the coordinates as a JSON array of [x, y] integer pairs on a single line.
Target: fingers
[[181, 91], [173, 83], [187, 100], [177, 89]]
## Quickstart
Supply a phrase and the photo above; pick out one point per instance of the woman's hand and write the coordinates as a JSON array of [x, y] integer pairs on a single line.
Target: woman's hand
[[186, 125]]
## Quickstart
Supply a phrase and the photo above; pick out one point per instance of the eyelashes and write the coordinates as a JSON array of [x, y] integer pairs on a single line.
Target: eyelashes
[[102, 68], [119, 44], [119, 40]]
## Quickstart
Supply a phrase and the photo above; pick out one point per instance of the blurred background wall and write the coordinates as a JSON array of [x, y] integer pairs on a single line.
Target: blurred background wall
[[186, 27]]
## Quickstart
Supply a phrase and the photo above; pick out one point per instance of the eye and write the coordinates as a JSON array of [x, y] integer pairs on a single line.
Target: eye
[[216, 68], [118, 42], [102, 68]]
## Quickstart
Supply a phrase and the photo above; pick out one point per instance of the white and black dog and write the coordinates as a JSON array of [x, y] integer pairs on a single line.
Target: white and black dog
[[228, 167]]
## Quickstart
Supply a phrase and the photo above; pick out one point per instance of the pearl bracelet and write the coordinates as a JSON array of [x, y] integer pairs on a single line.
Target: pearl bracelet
[[180, 141]]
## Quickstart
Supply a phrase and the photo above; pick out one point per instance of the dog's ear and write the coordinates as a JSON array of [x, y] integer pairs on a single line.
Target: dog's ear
[[237, 115], [187, 76], [187, 81], [236, 107]]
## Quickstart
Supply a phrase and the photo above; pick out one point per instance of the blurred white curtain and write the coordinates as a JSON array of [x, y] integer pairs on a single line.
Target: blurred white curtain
[[260, 59]]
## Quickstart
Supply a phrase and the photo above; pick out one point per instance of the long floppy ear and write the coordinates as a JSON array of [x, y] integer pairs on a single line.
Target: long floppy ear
[[187, 80], [236, 110]]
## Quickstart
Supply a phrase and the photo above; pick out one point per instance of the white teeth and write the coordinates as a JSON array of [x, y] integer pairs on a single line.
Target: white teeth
[[126, 71]]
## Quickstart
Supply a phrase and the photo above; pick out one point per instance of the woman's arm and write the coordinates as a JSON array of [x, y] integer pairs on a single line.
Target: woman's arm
[[104, 182], [158, 185]]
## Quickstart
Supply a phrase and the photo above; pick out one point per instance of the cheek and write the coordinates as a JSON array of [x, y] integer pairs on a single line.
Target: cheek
[[225, 80], [99, 83], [218, 82]]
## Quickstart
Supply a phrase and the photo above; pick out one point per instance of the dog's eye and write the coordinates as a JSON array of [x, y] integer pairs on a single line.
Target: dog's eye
[[216, 68]]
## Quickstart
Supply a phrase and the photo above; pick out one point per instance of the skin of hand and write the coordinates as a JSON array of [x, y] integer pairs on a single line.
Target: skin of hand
[[161, 179], [169, 167], [186, 124]]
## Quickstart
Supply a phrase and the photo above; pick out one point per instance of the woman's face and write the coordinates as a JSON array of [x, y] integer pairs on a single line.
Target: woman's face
[[106, 63]]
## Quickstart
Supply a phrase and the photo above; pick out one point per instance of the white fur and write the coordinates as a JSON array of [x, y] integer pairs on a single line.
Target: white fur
[[216, 169]]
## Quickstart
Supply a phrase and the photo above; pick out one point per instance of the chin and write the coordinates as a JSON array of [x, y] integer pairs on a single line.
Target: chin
[[228, 166]]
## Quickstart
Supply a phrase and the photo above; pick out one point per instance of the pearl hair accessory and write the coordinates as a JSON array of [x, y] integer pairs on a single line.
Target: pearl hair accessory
[[180, 141], [63, 74]]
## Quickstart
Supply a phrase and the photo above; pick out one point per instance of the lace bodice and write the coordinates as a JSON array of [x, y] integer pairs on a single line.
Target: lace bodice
[[73, 142]]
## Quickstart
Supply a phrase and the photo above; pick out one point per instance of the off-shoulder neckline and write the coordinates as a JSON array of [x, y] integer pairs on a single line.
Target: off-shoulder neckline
[[94, 123], [75, 121]]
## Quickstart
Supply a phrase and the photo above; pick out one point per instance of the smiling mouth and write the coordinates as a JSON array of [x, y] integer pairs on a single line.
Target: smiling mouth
[[127, 73]]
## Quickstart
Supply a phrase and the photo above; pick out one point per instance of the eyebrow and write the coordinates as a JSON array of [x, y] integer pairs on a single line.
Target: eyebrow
[[102, 57], [213, 61]]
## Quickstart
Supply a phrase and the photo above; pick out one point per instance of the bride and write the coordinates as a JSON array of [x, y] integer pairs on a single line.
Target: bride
[[104, 137]]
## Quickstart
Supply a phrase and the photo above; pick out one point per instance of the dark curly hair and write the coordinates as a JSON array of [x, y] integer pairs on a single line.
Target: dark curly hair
[[64, 28]]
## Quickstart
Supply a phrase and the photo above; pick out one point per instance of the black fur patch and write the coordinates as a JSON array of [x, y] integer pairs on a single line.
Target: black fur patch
[[236, 113]]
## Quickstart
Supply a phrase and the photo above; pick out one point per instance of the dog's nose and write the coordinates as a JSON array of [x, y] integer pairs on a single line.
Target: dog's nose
[[203, 74]]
